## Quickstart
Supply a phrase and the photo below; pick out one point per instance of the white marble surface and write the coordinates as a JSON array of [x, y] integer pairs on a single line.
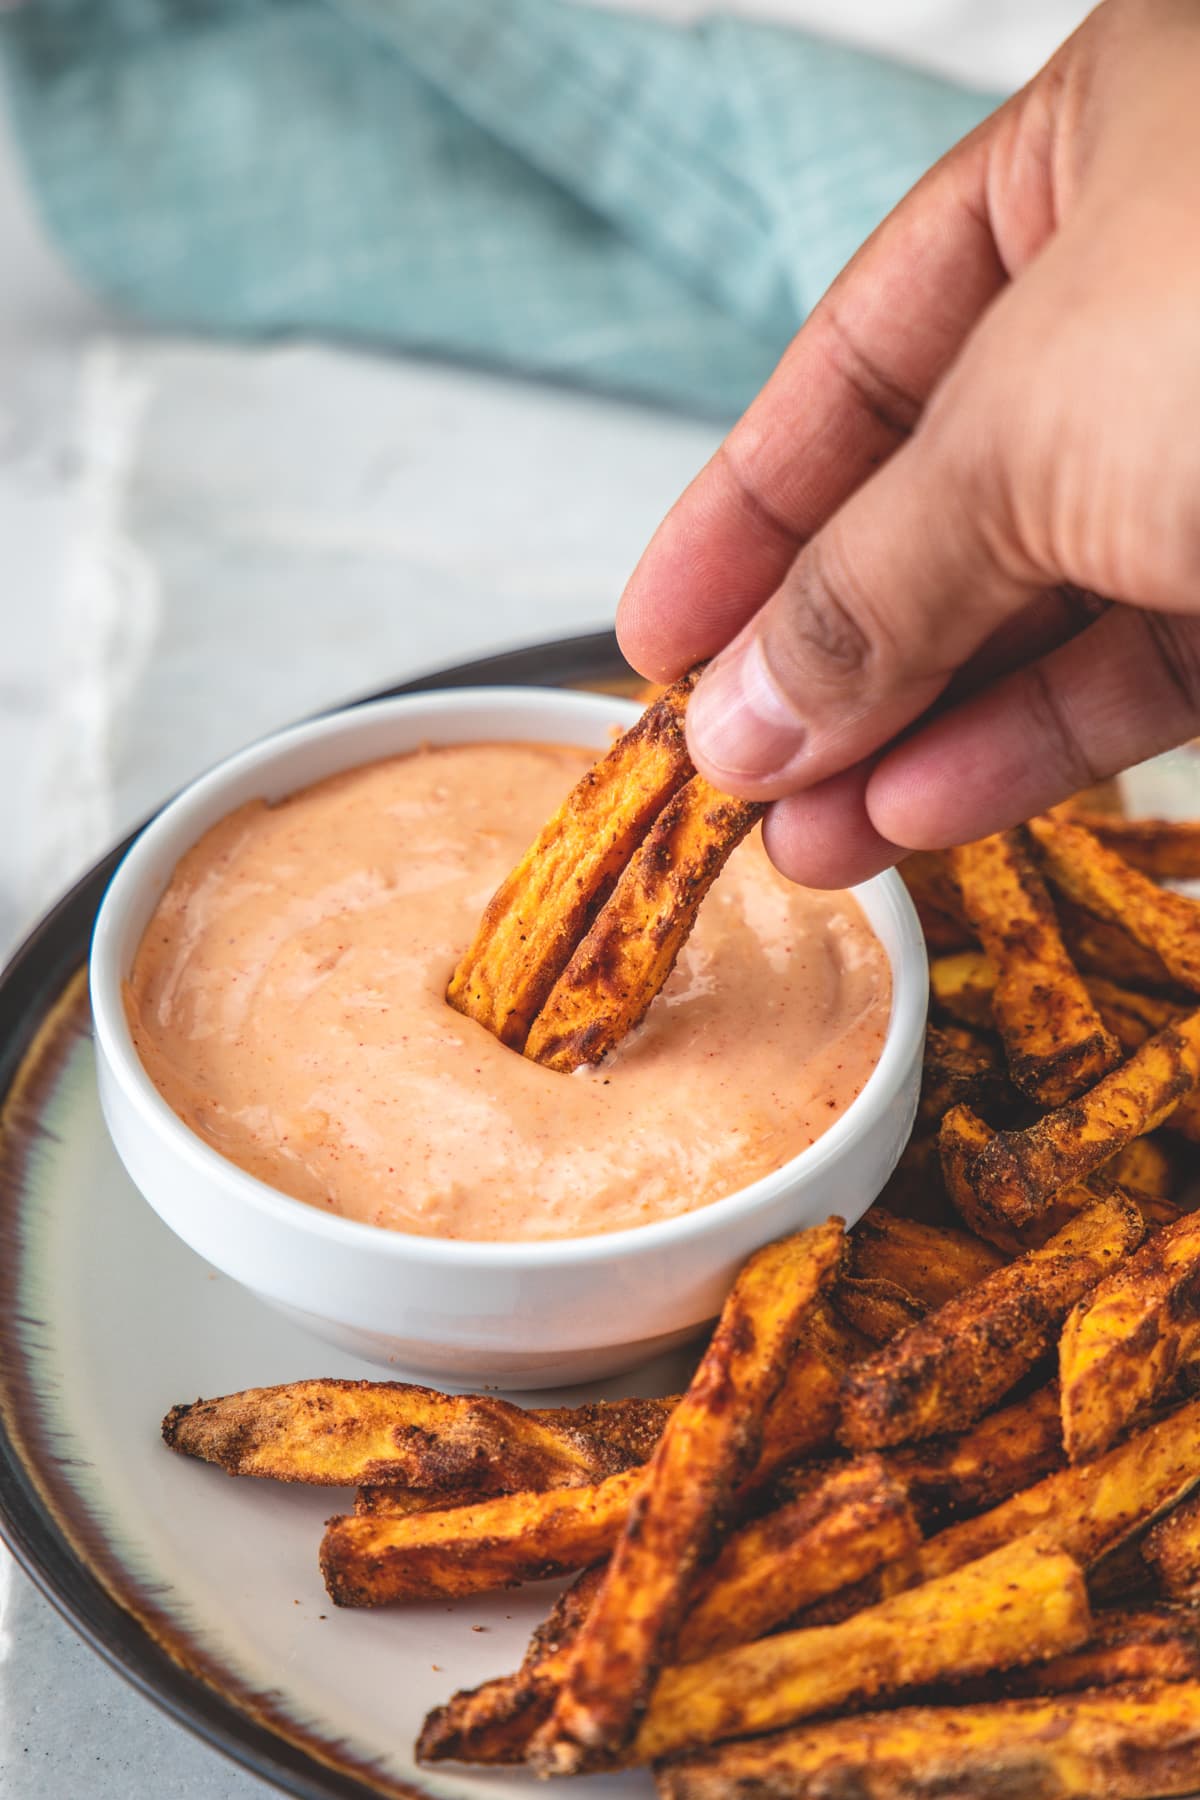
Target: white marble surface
[[196, 544]]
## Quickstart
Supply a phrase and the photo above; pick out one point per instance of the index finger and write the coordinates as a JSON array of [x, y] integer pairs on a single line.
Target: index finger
[[847, 392]]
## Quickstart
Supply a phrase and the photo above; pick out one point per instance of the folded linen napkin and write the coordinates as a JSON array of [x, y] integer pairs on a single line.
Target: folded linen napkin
[[585, 195]]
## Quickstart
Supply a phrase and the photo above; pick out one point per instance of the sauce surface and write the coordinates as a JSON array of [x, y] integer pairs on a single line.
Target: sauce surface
[[287, 1001]]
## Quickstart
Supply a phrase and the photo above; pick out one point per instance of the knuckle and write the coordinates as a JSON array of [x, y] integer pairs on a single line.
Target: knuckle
[[1053, 733], [1175, 642], [821, 631]]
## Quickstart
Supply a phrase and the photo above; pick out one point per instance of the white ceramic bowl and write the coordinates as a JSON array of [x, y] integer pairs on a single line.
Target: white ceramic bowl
[[520, 1315]]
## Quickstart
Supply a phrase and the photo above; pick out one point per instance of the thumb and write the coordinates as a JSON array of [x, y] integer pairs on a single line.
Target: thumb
[[899, 589]]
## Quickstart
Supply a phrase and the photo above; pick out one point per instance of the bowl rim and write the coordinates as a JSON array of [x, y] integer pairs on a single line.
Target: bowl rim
[[906, 1021]]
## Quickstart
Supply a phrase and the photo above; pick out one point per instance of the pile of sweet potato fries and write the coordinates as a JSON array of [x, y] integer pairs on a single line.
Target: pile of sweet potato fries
[[920, 1524]]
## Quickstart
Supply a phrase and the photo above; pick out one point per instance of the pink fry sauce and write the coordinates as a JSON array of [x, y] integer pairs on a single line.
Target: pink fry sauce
[[287, 1001]]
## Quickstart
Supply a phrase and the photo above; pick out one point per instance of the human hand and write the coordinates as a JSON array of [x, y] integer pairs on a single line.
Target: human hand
[[991, 418]]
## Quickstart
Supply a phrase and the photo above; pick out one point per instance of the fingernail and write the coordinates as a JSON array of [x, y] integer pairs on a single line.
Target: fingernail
[[739, 721]]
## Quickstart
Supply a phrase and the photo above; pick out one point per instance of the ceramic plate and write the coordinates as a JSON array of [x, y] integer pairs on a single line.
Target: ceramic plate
[[205, 1592]]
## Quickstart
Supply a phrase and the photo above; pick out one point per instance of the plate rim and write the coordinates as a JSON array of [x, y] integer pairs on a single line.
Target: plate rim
[[35, 983]]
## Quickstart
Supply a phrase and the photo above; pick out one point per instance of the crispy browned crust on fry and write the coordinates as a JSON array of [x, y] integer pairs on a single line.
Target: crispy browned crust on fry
[[1005, 1452], [961, 1067], [877, 1309], [804, 1413], [629, 951], [1146, 1167], [709, 1445], [961, 987], [533, 923], [1135, 1743], [933, 1263], [1088, 1508], [1093, 876], [1134, 1017], [1053, 1036], [1171, 1551], [1019, 1605], [1018, 1173], [1123, 1345], [1100, 947], [962, 1138], [493, 1723], [849, 1525], [362, 1433], [1168, 849], [397, 1502], [494, 1544], [945, 1372]]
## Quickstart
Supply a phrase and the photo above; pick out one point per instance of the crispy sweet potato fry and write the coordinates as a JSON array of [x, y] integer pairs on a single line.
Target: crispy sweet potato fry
[[1171, 1551], [1146, 1167], [931, 880], [854, 1520], [877, 1309], [1138, 1743], [1093, 876], [1168, 849], [1086, 1509], [1018, 1173], [390, 1501], [348, 1433], [1124, 1343], [1053, 1035], [538, 915], [945, 1372], [933, 1263], [960, 1067], [709, 1445], [1020, 1604], [850, 1524], [1099, 947], [616, 971], [1133, 1018], [1155, 1643], [493, 1723], [1007, 1451], [961, 986], [496, 1543]]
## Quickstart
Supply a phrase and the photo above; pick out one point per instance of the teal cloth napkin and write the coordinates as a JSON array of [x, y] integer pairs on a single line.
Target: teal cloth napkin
[[589, 196]]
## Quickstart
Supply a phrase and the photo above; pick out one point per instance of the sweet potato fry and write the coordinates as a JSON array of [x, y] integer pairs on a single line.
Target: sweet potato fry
[[1018, 1173], [538, 915], [493, 1723], [1086, 1509], [1053, 1036], [390, 1501], [854, 1520], [931, 880], [1099, 947], [1168, 849], [879, 1310], [629, 951], [1146, 1168], [1138, 1743], [933, 1263], [1124, 1343], [1093, 876], [850, 1524], [1171, 1551], [961, 1067], [496, 1543], [1133, 1018], [1155, 1643], [962, 985], [708, 1446], [1019, 1605], [359, 1433], [945, 1372], [1007, 1451]]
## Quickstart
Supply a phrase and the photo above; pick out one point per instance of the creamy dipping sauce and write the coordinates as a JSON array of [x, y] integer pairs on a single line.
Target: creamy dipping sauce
[[287, 1001]]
